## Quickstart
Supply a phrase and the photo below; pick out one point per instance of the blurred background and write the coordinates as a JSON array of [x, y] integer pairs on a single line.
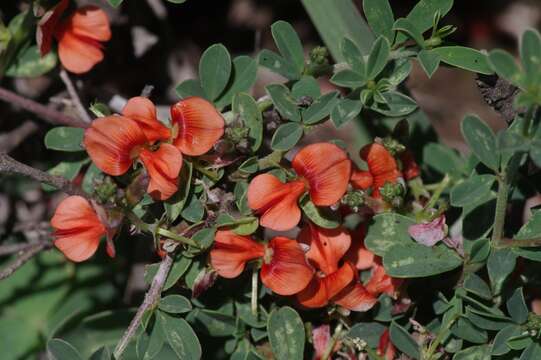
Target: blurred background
[[158, 43]]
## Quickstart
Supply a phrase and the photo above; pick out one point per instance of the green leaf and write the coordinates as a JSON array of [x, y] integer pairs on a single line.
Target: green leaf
[[175, 304], [353, 57], [30, 63], [306, 86], [532, 229], [530, 54], [213, 323], [403, 341], [278, 64], [472, 190], [190, 87], [115, 3], [289, 44], [286, 334], [386, 231], [67, 169], [179, 268], [429, 61], [284, 102], [415, 260], [464, 58], [406, 26], [246, 107], [481, 140], [194, 210], [345, 110], [464, 329], [519, 342], [380, 17], [398, 104], [532, 352], [320, 108], [516, 307], [156, 340], [348, 78], [99, 109], [286, 136], [499, 346], [485, 321], [180, 337], [369, 332], [321, 216], [246, 227], [500, 265], [204, 237], [379, 54], [480, 352], [422, 14], [102, 353], [243, 77], [175, 204], [65, 138], [214, 70], [477, 286], [442, 159], [479, 251], [505, 66], [58, 349]]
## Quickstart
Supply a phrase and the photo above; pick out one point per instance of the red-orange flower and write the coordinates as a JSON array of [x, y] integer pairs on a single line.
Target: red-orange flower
[[385, 346], [79, 36], [142, 110], [358, 254], [284, 269], [323, 171], [197, 125], [78, 229], [115, 142], [382, 168]]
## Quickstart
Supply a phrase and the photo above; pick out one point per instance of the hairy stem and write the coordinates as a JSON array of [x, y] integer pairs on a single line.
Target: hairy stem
[[151, 298]]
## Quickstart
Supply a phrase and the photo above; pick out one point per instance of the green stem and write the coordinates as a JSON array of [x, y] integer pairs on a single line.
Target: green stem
[[254, 291], [337, 334], [263, 104], [437, 192], [437, 341], [208, 173], [528, 118], [501, 206], [143, 226]]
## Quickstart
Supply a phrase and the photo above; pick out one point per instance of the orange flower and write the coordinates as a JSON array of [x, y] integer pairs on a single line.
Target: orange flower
[[382, 168], [380, 282], [115, 142], [385, 346], [79, 36], [78, 229], [142, 110], [358, 254], [323, 171], [327, 247], [284, 269], [197, 125]]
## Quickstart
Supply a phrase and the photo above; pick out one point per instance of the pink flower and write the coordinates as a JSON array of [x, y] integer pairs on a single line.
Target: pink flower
[[429, 234]]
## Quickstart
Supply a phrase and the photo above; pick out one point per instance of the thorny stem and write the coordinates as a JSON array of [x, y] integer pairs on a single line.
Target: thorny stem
[[45, 113], [74, 96], [254, 291], [501, 207], [9, 165], [151, 298], [26, 255]]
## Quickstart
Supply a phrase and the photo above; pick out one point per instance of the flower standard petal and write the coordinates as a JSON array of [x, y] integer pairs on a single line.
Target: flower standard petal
[[47, 26], [230, 253], [358, 254], [355, 298], [326, 168], [163, 167], [275, 201], [199, 125], [78, 229], [90, 22], [110, 141], [285, 270], [361, 179], [143, 111], [382, 166], [380, 282], [429, 234]]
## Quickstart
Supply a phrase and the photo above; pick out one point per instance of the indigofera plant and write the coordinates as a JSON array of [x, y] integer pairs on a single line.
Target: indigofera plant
[[270, 243]]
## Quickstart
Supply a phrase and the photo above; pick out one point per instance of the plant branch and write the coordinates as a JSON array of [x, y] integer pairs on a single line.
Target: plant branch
[[25, 255], [20, 247], [74, 96], [501, 207], [8, 165], [151, 298], [10, 140], [46, 113]]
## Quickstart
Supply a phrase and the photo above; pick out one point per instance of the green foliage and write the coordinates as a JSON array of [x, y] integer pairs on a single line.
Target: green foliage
[[286, 334], [64, 138]]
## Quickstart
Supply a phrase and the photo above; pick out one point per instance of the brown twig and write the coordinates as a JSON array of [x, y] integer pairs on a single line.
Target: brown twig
[[25, 255], [8, 165], [43, 112], [151, 298], [12, 139], [74, 96], [21, 247]]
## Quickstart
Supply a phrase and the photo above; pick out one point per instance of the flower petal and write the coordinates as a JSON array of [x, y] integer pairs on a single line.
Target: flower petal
[[358, 254], [90, 22], [382, 165], [327, 246], [327, 168], [230, 253], [321, 289], [361, 179], [77, 228], [199, 124], [77, 54], [109, 142], [47, 26], [143, 111], [355, 298], [276, 201], [286, 272], [380, 282], [429, 234], [321, 336], [163, 167]]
